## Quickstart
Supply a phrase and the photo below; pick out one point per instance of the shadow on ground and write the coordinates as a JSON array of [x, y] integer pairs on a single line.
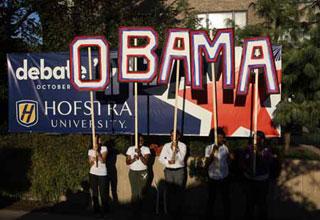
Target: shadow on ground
[[281, 204], [77, 205]]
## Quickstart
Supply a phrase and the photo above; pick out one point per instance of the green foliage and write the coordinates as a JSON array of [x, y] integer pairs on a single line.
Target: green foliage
[[19, 31], [59, 164], [313, 138], [248, 32], [121, 143], [197, 147], [280, 18], [100, 17], [295, 27], [302, 154], [302, 73], [285, 113], [50, 25], [237, 143], [19, 24], [197, 170], [310, 71], [44, 167], [50, 165], [301, 80], [47, 165]]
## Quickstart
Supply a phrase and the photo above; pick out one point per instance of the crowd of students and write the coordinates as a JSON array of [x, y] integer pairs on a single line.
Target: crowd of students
[[255, 163]]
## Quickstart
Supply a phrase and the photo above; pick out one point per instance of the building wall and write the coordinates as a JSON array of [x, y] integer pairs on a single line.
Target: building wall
[[207, 6]]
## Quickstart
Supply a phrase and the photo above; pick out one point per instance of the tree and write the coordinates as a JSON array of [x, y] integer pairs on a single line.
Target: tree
[[19, 31], [295, 26], [301, 79], [50, 25], [104, 17]]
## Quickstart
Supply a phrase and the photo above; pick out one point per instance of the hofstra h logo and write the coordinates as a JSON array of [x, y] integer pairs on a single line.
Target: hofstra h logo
[[27, 112]]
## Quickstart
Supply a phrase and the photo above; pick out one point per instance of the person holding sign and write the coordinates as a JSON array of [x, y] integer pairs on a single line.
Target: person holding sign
[[137, 160], [257, 184], [173, 157], [218, 171], [98, 176]]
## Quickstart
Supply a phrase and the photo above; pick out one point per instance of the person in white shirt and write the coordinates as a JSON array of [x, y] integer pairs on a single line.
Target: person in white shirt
[[216, 163], [137, 161], [173, 157], [98, 176]]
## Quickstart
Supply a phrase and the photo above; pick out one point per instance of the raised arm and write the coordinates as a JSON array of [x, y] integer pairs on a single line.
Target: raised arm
[[144, 158], [130, 160], [102, 156], [91, 159]]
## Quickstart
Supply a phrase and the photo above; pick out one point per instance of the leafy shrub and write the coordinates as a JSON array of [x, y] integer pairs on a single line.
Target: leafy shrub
[[55, 163], [47, 166], [303, 154], [311, 139], [59, 164], [197, 148]]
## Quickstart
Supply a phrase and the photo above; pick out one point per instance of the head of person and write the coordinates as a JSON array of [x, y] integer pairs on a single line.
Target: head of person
[[178, 135], [140, 140], [261, 137], [221, 136]]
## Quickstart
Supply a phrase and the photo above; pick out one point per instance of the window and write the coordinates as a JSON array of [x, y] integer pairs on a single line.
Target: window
[[222, 19]]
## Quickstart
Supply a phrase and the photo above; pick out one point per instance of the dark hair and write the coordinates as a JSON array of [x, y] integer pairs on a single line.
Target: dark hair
[[97, 136], [220, 131], [133, 138], [261, 135], [139, 135], [177, 132]]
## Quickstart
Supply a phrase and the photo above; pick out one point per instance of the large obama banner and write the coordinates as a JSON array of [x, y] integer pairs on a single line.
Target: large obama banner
[[42, 98]]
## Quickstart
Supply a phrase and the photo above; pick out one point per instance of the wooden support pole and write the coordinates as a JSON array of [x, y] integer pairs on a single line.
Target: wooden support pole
[[255, 125], [93, 128], [214, 100], [175, 118], [136, 127]]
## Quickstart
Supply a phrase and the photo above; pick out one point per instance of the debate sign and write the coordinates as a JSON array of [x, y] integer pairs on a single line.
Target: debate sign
[[42, 99]]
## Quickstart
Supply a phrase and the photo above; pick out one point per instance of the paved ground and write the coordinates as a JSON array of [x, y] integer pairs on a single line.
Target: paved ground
[[283, 213], [6, 214], [312, 148], [281, 207]]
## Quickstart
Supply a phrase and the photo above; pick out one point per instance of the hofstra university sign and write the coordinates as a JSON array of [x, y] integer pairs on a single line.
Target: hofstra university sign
[[55, 85]]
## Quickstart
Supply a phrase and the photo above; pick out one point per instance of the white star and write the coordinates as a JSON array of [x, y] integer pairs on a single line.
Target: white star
[[257, 52]]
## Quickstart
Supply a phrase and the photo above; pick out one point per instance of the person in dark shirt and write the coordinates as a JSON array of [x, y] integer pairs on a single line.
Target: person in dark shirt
[[257, 178]]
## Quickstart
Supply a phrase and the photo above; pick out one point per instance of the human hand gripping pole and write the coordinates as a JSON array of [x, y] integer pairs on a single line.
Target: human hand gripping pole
[[212, 157], [175, 150]]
